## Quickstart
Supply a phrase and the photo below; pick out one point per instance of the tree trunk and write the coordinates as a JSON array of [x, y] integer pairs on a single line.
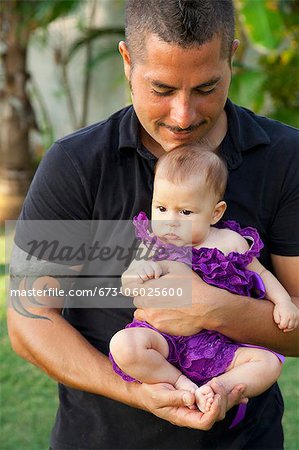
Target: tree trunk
[[16, 115]]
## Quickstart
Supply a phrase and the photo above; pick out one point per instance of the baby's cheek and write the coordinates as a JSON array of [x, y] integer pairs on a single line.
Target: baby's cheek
[[157, 227], [187, 231]]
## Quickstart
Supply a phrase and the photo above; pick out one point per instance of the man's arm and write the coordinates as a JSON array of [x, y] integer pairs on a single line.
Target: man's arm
[[286, 314], [255, 321], [64, 354], [240, 318]]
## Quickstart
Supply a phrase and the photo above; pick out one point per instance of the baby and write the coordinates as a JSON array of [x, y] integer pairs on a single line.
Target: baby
[[187, 204]]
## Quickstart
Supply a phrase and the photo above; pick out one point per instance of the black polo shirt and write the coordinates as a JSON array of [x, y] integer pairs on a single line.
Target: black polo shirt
[[103, 172]]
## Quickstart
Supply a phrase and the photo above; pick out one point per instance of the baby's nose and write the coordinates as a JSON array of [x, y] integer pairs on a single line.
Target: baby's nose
[[173, 223]]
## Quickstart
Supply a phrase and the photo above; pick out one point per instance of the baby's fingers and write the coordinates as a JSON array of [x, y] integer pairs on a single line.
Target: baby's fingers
[[145, 273], [157, 269], [284, 323], [276, 316], [150, 270], [292, 324]]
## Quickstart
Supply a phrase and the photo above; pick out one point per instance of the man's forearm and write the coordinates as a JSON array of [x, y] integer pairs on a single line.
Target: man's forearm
[[243, 319], [251, 321], [63, 353]]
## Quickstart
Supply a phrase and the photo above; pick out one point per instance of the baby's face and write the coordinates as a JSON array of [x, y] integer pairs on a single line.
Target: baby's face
[[182, 214]]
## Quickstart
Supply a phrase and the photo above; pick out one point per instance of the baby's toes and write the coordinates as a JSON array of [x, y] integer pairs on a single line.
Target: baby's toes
[[209, 402]]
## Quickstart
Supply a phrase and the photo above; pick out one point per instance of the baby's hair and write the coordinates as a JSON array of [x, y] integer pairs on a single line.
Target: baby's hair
[[185, 163]]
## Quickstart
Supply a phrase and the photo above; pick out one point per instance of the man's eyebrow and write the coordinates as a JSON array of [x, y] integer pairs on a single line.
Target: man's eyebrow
[[161, 85], [208, 83]]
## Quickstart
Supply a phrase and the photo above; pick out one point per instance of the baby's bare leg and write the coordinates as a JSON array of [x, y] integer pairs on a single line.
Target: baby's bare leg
[[141, 353], [256, 368]]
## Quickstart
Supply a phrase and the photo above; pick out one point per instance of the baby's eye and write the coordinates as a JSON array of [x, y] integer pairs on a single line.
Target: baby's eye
[[161, 208], [186, 212]]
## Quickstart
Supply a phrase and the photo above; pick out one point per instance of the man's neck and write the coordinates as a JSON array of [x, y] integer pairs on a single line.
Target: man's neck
[[211, 141]]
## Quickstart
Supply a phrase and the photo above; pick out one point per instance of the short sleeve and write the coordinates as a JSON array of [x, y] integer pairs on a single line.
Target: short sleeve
[[59, 191], [284, 231], [58, 203]]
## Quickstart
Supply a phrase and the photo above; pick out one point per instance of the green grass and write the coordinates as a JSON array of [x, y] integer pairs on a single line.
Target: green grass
[[29, 398], [289, 385]]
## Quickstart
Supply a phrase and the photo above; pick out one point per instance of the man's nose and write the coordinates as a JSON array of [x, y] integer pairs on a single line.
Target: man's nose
[[183, 112]]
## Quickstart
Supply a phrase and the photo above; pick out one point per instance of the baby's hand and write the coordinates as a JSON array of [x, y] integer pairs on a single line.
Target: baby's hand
[[148, 270], [286, 315]]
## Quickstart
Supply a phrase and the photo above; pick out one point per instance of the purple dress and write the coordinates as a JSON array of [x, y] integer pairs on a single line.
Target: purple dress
[[208, 353]]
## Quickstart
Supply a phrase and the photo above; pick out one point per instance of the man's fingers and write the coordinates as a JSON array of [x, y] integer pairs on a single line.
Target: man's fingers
[[188, 399], [139, 314], [175, 398], [236, 396], [217, 386], [228, 399], [175, 406]]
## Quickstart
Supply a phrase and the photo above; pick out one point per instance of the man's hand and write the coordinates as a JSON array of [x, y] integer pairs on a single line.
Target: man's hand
[[164, 401], [177, 303]]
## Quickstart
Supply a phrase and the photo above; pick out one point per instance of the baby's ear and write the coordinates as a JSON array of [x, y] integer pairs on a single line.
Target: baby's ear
[[218, 212]]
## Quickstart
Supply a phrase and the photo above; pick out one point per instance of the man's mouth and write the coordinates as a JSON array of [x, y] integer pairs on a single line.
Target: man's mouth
[[183, 133]]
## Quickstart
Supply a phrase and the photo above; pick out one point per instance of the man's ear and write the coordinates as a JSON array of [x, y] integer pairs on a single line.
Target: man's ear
[[235, 46], [218, 212], [124, 51]]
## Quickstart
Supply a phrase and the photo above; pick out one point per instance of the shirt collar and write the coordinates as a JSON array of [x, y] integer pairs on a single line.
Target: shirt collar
[[129, 134], [128, 130], [243, 128], [244, 133]]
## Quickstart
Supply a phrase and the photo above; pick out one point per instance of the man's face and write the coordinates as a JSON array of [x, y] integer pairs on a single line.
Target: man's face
[[178, 94]]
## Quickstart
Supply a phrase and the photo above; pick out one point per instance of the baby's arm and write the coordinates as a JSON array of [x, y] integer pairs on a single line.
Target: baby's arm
[[286, 314], [143, 268]]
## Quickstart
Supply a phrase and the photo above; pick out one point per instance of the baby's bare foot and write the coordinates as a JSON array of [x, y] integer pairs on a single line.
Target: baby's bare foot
[[204, 396], [185, 384]]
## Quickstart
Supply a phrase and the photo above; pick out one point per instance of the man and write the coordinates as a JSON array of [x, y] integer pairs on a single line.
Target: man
[[177, 59]]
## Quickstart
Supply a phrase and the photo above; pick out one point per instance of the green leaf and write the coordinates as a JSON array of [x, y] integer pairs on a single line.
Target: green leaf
[[92, 34], [247, 89], [263, 23], [39, 13]]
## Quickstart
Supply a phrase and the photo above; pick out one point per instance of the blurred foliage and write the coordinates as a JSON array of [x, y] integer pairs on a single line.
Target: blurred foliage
[[19, 20], [34, 14], [266, 67]]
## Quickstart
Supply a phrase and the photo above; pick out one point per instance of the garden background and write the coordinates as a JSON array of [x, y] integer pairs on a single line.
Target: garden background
[[59, 71]]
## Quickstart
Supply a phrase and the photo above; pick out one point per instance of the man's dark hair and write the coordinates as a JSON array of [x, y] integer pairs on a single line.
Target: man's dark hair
[[182, 22]]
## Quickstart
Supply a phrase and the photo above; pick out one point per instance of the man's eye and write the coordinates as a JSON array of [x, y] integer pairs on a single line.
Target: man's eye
[[186, 212], [162, 93], [161, 208], [210, 91]]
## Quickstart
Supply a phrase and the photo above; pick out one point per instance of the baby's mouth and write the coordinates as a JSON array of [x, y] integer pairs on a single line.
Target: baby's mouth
[[171, 237]]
